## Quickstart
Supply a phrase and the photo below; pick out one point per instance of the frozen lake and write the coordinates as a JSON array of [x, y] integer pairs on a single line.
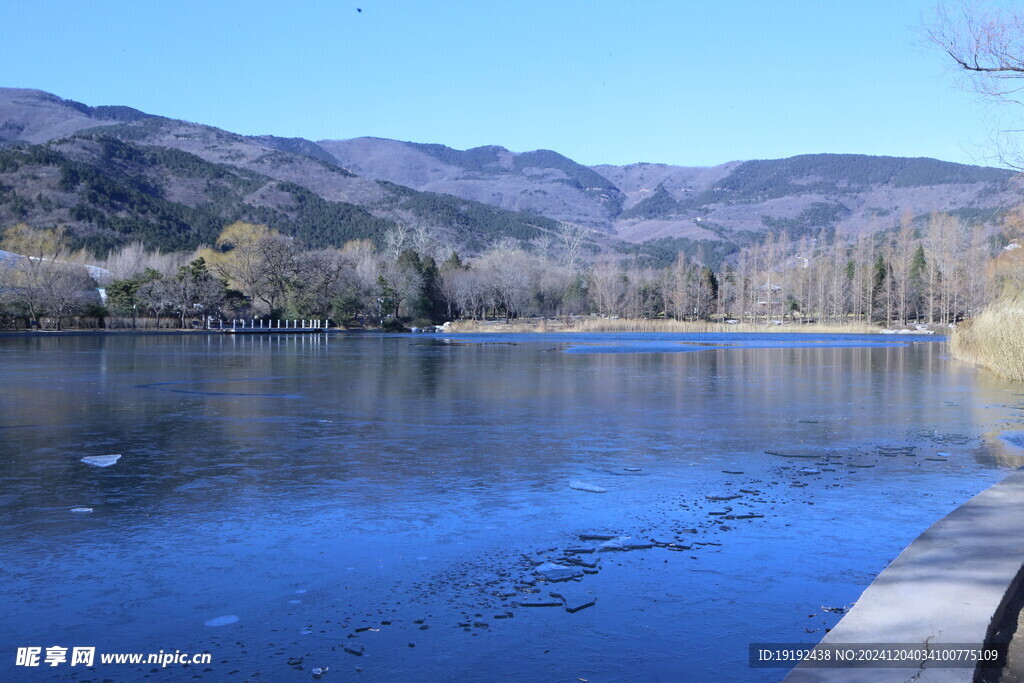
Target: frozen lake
[[398, 494]]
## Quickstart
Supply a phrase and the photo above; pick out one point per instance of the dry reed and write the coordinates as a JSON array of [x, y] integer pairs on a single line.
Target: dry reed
[[994, 338]]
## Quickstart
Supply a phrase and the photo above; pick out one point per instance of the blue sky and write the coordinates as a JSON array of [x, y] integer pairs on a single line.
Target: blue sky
[[689, 82]]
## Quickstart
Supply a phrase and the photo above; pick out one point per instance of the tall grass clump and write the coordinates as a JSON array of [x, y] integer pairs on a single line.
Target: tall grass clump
[[994, 338]]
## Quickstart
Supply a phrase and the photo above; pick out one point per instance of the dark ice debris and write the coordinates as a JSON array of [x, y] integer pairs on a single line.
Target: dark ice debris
[[795, 455], [721, 498], [579, 550], [539, 602], [580, 562], [833, 610], [354, 649], [573, 601], [631, 469], [597, 536], [731, 472]]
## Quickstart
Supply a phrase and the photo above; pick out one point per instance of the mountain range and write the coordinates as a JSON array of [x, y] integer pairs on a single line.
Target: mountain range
[[113, 174]]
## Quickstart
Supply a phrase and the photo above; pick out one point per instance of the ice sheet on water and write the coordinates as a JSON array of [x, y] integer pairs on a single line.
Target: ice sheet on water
[[101, 460], [1014, 438]]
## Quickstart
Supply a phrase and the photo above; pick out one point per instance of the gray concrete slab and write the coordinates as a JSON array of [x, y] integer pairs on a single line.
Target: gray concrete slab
[[948, 586]]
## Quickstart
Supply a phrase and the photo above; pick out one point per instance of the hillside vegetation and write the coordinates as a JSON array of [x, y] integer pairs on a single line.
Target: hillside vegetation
[[109, 192]]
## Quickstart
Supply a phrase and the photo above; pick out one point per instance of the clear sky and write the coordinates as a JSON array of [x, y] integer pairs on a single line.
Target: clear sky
[[689, 82]]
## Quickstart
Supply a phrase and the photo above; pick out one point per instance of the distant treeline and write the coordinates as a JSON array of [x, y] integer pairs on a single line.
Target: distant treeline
[[939, 272]]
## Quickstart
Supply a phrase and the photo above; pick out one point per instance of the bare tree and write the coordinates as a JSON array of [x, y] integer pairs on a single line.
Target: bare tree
[[396, 240], [987, 45], [607, 287], [66, 290], [319, 276], [572, 237], [39, 250], [511, 273], [157, 298], [901, 264]]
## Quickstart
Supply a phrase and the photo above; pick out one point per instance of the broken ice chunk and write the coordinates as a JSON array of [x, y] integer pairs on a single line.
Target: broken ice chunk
[[583, 486], [101, 460], [556, 572], [221, 621]]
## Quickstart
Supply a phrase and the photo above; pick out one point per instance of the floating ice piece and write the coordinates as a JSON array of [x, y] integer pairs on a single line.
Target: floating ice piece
[[81, 509], [617, 543], [221, 621], [557, 572], [583, 486], [101, 460], [574, 601]]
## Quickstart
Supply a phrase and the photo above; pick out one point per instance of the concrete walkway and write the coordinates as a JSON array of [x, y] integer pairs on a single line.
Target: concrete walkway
[[949, 586]]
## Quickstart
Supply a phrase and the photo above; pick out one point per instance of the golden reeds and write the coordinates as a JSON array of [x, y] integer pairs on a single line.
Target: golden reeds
[[994, 338]]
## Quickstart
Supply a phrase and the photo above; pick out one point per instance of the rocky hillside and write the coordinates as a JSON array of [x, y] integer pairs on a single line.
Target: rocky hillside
[[113, 174], [737, 201], [176, 184]]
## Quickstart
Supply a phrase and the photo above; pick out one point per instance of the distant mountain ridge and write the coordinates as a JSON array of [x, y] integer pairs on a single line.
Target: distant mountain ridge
[[174, 182]]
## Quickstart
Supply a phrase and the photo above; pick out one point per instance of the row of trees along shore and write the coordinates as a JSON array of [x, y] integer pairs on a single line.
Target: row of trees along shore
[[938, 271]]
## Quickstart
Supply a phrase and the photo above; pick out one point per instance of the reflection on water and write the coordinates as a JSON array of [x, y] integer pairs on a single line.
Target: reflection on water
[[409, 479]]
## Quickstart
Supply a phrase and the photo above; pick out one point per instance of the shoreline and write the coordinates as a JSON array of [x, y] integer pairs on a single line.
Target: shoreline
[[590, 324], [514, 327], [952, 585]]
